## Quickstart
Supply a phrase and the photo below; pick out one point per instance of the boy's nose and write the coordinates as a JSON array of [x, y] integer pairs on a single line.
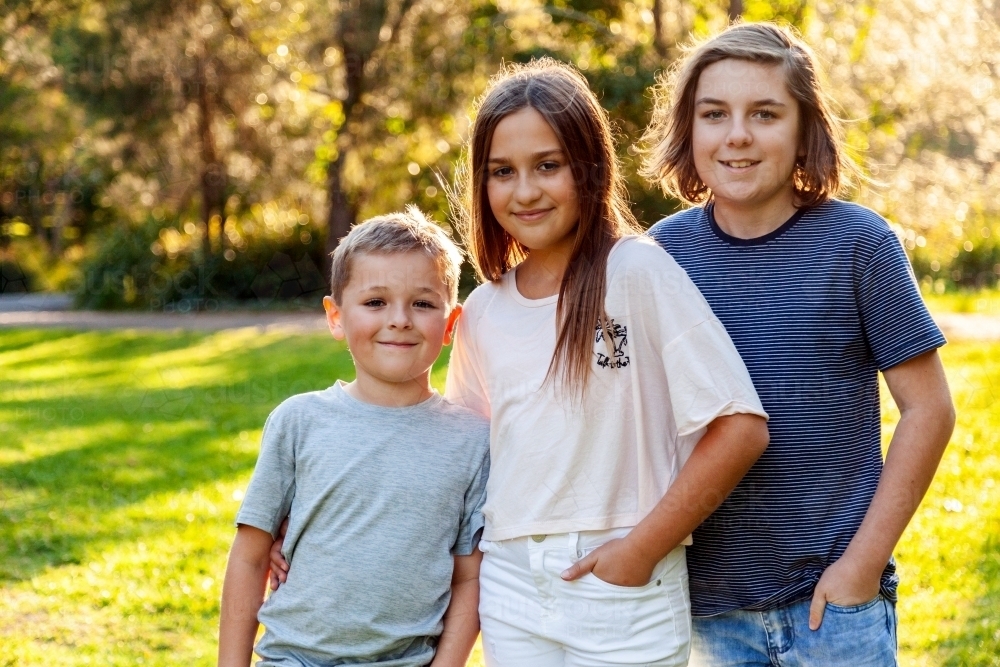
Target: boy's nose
[[739, 135], [399, 317]]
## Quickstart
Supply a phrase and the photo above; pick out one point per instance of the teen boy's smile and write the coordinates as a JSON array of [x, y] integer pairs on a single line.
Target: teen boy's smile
[[395, 315], [745, 138]]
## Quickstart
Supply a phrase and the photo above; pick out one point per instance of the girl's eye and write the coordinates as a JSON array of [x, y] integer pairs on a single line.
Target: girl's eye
[[500, 172], [765, 114], [715, 114], [549, 166]]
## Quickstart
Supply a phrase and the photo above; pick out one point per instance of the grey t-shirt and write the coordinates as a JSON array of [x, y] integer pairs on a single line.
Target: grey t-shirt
[[379, 500]]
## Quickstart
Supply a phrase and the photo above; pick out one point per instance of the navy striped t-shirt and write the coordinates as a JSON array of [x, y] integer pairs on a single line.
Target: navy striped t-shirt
[[815, 308]]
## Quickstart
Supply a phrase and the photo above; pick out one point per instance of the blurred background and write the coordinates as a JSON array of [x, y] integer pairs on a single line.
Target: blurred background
[[189, 154], [166, 157]]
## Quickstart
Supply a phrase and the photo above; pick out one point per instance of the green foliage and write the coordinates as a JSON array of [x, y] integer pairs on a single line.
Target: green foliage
[[162, 265]]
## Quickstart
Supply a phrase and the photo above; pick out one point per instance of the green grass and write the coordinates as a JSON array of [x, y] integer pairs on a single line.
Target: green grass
[[123, 457], [984, 301]]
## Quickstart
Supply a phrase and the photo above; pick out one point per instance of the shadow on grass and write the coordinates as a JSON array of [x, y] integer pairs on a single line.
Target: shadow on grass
[[60, 498]]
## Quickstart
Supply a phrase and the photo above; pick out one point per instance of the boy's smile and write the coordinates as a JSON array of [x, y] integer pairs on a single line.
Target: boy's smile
[[395, 315], [745, 137]]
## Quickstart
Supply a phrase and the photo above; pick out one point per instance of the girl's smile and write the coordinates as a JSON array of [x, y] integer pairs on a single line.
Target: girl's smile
[[530, 185]]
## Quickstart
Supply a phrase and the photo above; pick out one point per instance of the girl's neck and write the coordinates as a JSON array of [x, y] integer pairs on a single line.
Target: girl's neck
[[751, 222], [540, 275]]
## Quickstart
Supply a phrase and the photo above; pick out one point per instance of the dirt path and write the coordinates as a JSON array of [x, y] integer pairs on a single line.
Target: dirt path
[[48, 314]]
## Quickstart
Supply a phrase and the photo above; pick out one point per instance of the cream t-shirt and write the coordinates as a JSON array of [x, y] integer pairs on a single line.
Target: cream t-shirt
[[562, 462]]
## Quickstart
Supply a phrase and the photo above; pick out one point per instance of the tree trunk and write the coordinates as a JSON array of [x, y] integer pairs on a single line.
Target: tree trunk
[[212, 174], [735, 10], [658, 39], [340, 213]]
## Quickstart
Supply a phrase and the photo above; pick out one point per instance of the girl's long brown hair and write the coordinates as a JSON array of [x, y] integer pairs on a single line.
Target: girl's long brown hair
[[563, 97]]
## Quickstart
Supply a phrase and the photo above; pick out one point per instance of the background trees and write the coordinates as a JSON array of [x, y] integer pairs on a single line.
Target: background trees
[[237, 130]]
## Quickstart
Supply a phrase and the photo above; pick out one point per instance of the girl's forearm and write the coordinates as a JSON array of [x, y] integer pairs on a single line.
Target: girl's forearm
[[719, 461]]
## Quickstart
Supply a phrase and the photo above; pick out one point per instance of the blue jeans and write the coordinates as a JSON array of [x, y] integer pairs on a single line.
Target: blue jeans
[[858, 636]]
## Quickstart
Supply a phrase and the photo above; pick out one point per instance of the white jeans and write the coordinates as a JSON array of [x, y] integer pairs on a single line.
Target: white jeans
[[532, 618]]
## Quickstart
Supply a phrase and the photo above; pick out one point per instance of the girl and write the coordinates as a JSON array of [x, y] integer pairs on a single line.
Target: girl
[[818, 298], [621, 415]]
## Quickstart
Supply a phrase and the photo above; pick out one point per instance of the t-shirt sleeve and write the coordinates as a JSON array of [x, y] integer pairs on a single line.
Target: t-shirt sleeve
[[896, 323], [706, 376], [472, 516], [269, 496], [465, 385]]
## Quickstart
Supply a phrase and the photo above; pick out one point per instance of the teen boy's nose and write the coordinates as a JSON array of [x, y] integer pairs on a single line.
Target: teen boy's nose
[[739, 134]]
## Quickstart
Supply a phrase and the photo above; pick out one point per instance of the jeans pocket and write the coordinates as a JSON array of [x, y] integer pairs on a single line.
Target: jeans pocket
[[854, 608]]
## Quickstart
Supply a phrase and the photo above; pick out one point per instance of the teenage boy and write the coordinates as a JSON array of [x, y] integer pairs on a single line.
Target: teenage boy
[[383, 481]]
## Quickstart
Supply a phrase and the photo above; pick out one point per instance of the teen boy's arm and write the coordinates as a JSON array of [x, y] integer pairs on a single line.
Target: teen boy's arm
[[461, 621], [926, 420], [242, 595]]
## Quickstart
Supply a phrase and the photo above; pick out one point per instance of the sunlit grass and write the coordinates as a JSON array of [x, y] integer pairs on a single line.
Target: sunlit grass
[[123, 456], [984, 301]]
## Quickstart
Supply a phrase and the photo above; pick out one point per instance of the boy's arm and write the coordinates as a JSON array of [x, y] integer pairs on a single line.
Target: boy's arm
[[927, 417], [720, 459], [242, 595], [461, 621]]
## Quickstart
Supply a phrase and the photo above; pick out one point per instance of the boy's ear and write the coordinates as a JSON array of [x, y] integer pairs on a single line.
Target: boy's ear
[[333, 318], [449, 330]]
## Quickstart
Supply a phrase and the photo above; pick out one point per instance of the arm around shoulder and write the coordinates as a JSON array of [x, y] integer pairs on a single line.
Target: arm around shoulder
[[242, 595]]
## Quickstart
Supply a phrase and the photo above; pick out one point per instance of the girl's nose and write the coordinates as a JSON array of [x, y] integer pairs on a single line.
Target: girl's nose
[[526, 190]]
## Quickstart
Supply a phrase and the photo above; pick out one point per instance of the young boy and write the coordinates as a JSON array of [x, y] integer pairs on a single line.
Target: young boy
[[382, 480]]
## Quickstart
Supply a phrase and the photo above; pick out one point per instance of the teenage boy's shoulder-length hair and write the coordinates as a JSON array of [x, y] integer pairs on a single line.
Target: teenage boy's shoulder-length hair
[[820, 173], [562, 96]]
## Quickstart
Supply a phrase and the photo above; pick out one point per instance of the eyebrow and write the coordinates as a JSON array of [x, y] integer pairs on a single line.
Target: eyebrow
[[534, 156], [383, 288], [768, 102]]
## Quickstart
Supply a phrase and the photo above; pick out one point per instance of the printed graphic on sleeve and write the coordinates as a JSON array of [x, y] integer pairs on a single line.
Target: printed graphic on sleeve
[[614, 353]]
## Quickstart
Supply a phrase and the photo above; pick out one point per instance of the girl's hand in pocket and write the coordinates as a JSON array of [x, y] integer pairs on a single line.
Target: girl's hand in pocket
[[614, 562], [279, 566]]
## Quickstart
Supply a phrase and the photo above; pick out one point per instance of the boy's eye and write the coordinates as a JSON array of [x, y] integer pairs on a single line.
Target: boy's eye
[[374, 303], [424, 304]]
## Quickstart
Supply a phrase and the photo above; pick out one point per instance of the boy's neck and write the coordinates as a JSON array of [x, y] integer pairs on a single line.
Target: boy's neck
[[751, 222], [374, 391]]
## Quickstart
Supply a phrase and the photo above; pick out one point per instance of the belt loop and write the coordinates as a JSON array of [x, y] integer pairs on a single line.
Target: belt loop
[[574, 544]]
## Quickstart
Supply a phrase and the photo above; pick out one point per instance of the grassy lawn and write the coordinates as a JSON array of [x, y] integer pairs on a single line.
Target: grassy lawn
[[123, 457], [984, 301]]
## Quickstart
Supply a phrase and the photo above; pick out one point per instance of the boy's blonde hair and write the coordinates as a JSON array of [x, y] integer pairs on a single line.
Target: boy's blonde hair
[[395, 233], [823, 170]]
